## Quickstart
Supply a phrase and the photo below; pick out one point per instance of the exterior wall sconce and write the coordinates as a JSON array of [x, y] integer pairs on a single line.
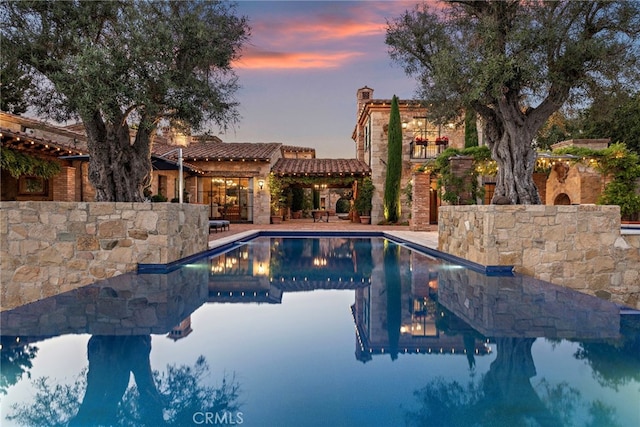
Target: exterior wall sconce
[[405, 125], [261, 184]]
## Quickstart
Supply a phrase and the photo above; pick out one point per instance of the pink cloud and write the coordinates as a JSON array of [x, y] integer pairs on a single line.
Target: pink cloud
[[330, 31], [317, 35], [256, 59]]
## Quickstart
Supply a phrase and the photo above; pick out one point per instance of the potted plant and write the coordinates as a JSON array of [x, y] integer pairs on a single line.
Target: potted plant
[[421, 141], [158, 198], [297, 202], [362, 203], [277, 199]]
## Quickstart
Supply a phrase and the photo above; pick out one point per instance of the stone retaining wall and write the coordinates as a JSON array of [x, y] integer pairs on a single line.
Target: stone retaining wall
[[47, 248], [579, 246]]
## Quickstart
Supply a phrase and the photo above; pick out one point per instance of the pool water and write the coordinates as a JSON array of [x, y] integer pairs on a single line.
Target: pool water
[[339, 331]]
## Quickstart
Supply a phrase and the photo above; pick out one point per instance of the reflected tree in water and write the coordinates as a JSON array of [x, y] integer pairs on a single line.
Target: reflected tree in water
[[111, 361], [362, 257], [614, 364], [450, 324], [393, 288], [507, 384], [103, 396], [504, 396], [15, 361]]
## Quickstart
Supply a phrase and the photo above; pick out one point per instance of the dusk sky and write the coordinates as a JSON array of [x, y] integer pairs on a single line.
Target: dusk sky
[[303, 65]]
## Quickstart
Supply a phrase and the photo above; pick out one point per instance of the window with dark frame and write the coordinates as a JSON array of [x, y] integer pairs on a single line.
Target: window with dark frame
[[33, 186]]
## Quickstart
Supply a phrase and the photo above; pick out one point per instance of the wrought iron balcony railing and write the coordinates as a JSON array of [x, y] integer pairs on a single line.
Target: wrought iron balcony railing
[[426, 150]]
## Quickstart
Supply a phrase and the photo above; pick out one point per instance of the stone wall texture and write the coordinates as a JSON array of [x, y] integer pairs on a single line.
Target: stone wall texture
[[580, 246], [581, 184], [47, 248], [378, 123]]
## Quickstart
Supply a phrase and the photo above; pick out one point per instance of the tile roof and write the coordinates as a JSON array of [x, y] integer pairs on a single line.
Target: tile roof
[[220, 150], [43, 145], [321, 167], [298, 148]]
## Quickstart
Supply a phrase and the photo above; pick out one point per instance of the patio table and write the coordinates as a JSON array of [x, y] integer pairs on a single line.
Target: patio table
[[320, 215]]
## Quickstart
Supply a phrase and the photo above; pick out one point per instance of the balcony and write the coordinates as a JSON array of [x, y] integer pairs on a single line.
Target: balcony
[[424, 149]]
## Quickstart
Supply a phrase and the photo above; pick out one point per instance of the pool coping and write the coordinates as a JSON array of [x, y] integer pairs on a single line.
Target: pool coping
[[220, 246]]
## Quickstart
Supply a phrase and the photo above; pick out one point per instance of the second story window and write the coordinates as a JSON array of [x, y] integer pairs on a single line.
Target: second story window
[[427, 141]]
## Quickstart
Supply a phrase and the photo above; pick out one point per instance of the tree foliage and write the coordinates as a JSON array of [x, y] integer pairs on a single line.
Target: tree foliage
[[623, 166], [364, 195], [470, 129], [16, 360], [18, 164], [621, 170], [391, 202], [558, 127], [185, 390], [14, 85], [451, 186], [616, 117], [119, 66], [277, 198], [611, 115], [515, 63]]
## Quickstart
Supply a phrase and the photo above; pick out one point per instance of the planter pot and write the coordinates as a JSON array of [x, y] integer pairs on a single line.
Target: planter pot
[[296, 214], [276, 219], [365, 219]]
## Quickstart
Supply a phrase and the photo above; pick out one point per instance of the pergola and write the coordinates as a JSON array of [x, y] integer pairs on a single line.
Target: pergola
[[321, 174], [331, 173]]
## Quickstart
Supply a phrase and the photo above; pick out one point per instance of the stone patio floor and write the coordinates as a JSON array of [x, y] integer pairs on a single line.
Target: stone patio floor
[[237, 231]]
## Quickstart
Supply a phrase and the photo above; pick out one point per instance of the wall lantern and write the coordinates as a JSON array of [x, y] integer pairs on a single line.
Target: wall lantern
[[404, 125], [261, 183]]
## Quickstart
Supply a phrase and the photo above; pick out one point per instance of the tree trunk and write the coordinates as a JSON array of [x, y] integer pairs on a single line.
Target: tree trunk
[[509, 132], [119, 169], [516, 162]]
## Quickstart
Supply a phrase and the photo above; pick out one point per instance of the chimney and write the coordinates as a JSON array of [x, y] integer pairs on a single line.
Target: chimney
[[364, 94]]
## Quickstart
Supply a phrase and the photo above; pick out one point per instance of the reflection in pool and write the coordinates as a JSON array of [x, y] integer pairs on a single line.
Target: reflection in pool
[[320, 332]]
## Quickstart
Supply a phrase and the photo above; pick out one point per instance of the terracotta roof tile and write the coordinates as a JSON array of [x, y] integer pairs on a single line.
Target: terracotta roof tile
[[28, 142], [220, 150], [298, 148], [321, 167]]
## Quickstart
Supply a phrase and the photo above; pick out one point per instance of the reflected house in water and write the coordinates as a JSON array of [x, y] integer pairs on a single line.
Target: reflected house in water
[[181, 330], [257, 273], [410, 321], [241, 275]]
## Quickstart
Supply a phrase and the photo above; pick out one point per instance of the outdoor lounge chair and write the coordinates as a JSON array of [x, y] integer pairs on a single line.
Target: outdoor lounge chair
[[218, 224]]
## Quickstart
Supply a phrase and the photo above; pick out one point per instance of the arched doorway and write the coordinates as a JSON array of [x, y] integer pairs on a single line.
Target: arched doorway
[[343, 205], [562, 199]]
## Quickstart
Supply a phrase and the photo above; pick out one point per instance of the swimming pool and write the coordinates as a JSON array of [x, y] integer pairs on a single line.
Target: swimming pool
[[324, 331]]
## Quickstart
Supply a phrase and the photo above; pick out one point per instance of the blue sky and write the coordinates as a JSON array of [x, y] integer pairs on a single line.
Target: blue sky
[[303, 65]]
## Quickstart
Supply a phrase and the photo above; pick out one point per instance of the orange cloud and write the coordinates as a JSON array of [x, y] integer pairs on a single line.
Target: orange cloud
[[322, 36], [327, 31], [256, 59]]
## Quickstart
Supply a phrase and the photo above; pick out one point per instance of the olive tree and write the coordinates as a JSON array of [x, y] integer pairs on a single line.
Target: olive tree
[[125, 68], [514, 63], [14, 84]]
